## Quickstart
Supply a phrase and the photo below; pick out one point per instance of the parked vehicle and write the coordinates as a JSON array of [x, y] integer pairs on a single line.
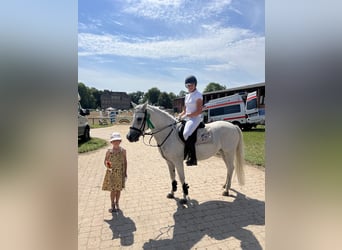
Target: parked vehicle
[[83, 125], [240, 109]]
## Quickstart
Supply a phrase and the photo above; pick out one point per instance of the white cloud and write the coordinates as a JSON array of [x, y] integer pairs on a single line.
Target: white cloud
[[175, 10], [156, 43], [220, 67], [216, 44], [94, 24]]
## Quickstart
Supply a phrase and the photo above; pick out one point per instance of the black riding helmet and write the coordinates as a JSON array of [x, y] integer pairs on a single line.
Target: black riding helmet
[[191, 79]]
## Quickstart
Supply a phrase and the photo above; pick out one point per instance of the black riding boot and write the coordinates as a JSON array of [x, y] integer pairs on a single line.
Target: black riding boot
[[191, 152]]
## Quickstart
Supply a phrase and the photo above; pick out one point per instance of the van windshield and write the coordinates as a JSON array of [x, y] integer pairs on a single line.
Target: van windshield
[[252, 104]]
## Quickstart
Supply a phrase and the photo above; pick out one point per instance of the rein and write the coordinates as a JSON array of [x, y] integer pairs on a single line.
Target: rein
[[151, 126], [153, 133]]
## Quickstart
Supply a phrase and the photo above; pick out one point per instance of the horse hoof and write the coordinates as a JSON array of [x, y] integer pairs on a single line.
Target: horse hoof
[[170, 196], [183, 201], [225, 193]]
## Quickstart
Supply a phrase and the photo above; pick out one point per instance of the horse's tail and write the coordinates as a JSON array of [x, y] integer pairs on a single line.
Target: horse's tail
[[239, 159]]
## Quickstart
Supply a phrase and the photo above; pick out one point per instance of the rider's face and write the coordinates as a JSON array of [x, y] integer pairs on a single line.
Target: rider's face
[[190, 86]]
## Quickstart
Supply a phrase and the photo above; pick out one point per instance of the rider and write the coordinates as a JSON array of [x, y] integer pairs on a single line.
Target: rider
[[192, 114]]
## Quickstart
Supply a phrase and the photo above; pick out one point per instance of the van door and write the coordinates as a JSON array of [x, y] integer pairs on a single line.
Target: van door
[[252, 109]]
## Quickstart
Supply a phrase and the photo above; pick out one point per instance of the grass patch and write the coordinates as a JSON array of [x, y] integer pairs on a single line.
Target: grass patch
[[91, 145], [254, 141]]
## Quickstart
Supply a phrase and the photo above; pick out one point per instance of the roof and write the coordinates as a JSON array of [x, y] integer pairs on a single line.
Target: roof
[[255, 85], [250, 86]]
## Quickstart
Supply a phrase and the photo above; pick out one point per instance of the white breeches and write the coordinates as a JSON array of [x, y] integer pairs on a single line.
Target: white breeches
[[190, 126]]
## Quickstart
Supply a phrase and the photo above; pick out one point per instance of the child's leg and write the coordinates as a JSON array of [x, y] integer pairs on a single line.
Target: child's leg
[[117, 198], [112, 198]]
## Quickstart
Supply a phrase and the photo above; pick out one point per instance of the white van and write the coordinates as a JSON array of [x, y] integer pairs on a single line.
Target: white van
[[256, 114], [239, 109], [83, 125]]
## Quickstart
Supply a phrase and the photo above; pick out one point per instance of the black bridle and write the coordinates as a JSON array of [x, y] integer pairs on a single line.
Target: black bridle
[[142, 132], [142, 128]]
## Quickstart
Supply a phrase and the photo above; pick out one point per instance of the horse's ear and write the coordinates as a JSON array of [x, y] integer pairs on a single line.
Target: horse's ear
[[145, 105], [133, 104]]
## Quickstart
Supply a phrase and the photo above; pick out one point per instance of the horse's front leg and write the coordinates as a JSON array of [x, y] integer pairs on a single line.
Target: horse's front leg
[[185, 186], [173, 179]]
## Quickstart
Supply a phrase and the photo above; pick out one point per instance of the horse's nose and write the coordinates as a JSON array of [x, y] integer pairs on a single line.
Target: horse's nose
[[129, 138]]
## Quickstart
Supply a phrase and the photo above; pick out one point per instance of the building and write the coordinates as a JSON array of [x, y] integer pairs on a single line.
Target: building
[[116, 100], [178, 103]]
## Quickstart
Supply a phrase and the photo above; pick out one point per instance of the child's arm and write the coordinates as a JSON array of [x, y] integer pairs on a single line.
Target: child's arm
[[125, 161], [106, 159]]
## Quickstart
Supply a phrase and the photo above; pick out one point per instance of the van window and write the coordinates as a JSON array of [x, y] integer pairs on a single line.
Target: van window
[[225, 110], [252, 104]]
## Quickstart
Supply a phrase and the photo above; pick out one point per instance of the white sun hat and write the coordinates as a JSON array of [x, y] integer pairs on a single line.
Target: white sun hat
[[115, 137]]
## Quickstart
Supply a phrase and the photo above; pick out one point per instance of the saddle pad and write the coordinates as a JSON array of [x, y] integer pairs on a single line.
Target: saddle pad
[[204, 135]]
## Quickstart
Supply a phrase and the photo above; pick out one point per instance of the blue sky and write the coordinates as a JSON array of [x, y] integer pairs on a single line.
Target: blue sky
[[135, 45]]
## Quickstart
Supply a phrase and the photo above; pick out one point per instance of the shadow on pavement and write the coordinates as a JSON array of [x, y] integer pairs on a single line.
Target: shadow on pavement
[[123, 228], [217, 219]]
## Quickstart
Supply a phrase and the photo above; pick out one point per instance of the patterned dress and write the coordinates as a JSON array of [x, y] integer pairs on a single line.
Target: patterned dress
[[115, 180]]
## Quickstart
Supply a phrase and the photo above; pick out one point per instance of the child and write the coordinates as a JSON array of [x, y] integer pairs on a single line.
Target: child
[[116, 164]]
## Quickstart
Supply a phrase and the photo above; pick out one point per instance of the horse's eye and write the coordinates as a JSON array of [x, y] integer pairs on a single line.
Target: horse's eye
[[139, 119]]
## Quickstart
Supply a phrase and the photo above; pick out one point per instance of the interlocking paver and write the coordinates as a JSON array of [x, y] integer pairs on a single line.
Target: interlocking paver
[[149, 220]]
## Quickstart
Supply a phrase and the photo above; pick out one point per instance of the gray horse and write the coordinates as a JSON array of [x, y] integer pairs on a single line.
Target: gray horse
[[222, 137]]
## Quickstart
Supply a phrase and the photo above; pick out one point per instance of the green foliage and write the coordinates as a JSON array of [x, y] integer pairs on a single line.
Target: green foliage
[[137, 97], [155, 97], [152, 96], [91, 145], [213, 87], [254, 141], [90, 97], [182, 93], [172, 96], [97, 96], [165, 100]]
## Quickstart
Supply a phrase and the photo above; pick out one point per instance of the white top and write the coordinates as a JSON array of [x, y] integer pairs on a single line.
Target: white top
[[190, 101]]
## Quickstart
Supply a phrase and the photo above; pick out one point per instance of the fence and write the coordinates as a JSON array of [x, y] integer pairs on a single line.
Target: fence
[[107, 120]]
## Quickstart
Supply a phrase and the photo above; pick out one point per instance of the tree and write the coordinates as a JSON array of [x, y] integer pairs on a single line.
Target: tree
[[152, 96], [172, 96], [87, 99], [164, 100], [213, 87], [137, 97], [182, 93], [97, 96]]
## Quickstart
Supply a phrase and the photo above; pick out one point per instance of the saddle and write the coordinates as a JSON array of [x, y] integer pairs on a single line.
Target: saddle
[[194, 134], [189, 148]]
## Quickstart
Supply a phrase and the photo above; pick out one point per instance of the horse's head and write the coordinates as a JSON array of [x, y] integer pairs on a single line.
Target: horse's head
[[138, 124]]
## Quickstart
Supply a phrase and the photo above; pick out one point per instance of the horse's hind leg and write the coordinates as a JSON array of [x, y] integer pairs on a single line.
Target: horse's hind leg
[[229, 161], [173, 179]]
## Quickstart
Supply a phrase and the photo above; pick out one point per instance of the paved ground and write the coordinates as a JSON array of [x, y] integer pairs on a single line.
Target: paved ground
[[151, 221]]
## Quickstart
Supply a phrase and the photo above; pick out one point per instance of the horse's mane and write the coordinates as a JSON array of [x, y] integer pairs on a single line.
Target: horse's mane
[[154, 108]]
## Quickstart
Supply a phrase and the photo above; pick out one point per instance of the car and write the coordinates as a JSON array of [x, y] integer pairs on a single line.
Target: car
[[83, 125]]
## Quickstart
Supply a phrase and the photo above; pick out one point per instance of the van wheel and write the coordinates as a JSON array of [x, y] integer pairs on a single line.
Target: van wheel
[[247, 127], [86, 135], [237, 124]]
